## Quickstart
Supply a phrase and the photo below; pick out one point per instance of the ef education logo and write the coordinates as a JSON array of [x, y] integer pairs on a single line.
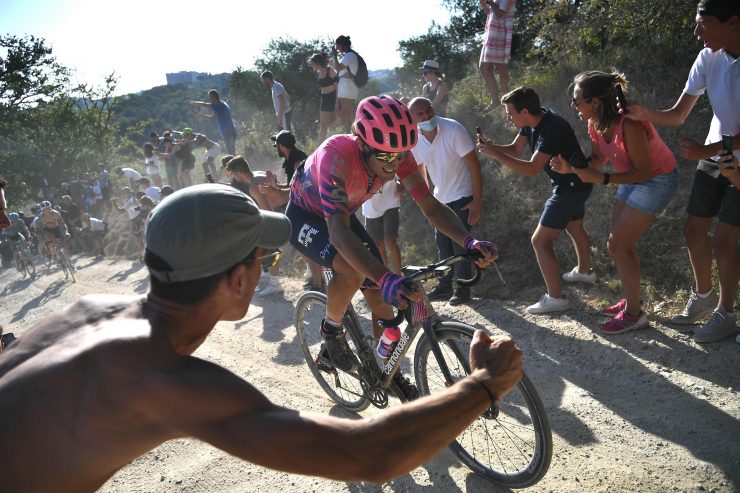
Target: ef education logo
[[306, 235]]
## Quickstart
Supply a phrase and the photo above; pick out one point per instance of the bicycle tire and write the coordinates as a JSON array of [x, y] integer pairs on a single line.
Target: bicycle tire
[[344, 388], [21, 265], [28, 262], [512, 449], [68, 268]]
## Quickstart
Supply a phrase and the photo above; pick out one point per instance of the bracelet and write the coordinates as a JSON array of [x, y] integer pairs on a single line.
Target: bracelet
[[607, 176], [488, 391]]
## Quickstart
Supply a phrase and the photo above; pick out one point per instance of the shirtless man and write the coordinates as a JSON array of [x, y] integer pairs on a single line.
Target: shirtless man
[[91, 388]]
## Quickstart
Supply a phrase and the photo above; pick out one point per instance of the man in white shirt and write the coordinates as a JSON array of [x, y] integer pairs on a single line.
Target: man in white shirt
[[130, 173], [448, 153], [381, 214], [280, 100], [347, 90], [716, 71], [149, 190]]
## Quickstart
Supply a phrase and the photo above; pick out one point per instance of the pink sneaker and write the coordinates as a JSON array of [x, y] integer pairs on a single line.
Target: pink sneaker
[[624, 322], [611, 311]]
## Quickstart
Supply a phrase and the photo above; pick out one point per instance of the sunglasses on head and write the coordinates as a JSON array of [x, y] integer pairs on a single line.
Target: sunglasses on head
[[389, 157]]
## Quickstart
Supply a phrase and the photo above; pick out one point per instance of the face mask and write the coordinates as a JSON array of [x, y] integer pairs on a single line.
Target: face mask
[[428, 125]]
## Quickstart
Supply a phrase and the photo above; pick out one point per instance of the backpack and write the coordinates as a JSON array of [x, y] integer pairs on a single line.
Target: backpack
[[361, 77]]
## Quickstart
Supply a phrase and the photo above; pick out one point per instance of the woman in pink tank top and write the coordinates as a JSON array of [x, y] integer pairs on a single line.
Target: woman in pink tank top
[[645, 172]]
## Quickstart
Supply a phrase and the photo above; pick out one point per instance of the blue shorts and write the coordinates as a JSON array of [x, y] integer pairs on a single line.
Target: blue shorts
[[310, 235], [562, 208], [714, 197], [649, 197]]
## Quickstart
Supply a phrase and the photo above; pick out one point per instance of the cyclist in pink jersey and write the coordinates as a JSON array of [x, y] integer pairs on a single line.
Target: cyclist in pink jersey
[[344, 172]]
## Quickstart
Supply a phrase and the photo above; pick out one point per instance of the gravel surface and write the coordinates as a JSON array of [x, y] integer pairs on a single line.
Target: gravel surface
[[642, 411]]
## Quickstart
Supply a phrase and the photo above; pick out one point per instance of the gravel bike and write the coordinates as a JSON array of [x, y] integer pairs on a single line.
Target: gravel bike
[[510, 444]]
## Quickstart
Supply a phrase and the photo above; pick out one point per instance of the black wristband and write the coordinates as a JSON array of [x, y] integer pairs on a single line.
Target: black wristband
[[607, 176], [488, 391]]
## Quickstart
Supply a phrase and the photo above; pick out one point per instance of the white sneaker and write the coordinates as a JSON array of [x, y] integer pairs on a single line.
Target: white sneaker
[[273, 287], [576, 276], [548, 304]]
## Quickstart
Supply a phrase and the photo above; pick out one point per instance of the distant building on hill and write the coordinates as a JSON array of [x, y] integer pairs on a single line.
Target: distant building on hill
[[199, 79]]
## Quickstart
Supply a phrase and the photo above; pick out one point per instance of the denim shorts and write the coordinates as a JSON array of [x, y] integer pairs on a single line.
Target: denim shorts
[[714, 197], [649, 197], [562, 208]]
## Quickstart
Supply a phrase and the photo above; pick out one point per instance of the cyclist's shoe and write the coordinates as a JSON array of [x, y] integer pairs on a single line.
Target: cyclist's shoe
[[696, 309], [462, 295], [339, 351], [440, 292], [410, 392]]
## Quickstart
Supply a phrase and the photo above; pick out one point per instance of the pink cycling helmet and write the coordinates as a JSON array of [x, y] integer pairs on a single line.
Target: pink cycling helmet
[[385, 124]]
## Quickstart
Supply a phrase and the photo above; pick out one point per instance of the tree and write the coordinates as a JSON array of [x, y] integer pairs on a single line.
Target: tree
[[98, 106]]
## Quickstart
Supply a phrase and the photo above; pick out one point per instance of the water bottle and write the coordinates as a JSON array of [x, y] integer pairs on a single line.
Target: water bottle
[[390, 336]]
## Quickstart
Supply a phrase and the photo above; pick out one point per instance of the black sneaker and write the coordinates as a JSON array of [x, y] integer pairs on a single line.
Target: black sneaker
[[440, 292], [339, 351], [462, 295], [409, 389]]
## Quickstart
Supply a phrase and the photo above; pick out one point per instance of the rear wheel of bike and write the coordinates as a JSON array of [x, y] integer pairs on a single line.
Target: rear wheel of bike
[[343, 387], [510, 445]]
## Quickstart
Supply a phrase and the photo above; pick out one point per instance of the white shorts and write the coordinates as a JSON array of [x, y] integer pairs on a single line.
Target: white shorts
[[152, 170], [347, 89]]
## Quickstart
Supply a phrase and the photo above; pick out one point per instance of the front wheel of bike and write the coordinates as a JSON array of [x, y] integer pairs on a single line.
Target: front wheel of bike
[[28, 262], [67, 264], [511, 444], [344, 388]]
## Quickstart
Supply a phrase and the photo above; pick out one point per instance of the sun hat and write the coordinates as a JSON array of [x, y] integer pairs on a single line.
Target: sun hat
[[204, 230], [430, 66]]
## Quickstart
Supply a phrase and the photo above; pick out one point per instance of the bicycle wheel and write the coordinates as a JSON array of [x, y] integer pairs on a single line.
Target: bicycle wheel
[[343, 387], [21, 265], [28, 262], [511, 446], [68, 268]]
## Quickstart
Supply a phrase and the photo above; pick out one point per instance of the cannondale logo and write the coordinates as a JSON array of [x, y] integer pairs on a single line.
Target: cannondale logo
[[396, 353]]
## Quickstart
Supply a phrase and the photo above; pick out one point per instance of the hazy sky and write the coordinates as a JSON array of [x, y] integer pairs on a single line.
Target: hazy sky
[[142, 40]]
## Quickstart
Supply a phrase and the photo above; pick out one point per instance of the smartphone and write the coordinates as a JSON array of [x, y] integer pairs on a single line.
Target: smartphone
[[478, 131], [209, 178], [7, 339], [727, 144], [578, 160], [620, 97]]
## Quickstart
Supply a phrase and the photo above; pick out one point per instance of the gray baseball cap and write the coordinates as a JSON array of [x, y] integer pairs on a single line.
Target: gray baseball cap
[[206, 229]]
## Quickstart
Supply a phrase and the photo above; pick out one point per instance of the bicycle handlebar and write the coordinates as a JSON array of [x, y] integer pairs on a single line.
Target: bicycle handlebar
[[431, 271]]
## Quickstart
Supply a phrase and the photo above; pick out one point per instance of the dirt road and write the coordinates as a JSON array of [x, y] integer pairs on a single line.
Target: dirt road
[[645, 411]]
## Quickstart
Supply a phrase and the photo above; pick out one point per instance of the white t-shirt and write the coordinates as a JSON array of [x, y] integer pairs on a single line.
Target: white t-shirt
[[131, 174], [213, 152], [153, 193], [130, 208], [718, 74], [349, 59], [444, 160], [96, 225], [382, 201], [277, 90], [152, 165]]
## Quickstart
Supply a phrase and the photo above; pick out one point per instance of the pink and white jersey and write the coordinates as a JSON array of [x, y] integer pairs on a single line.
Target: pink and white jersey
[[334, 179]]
